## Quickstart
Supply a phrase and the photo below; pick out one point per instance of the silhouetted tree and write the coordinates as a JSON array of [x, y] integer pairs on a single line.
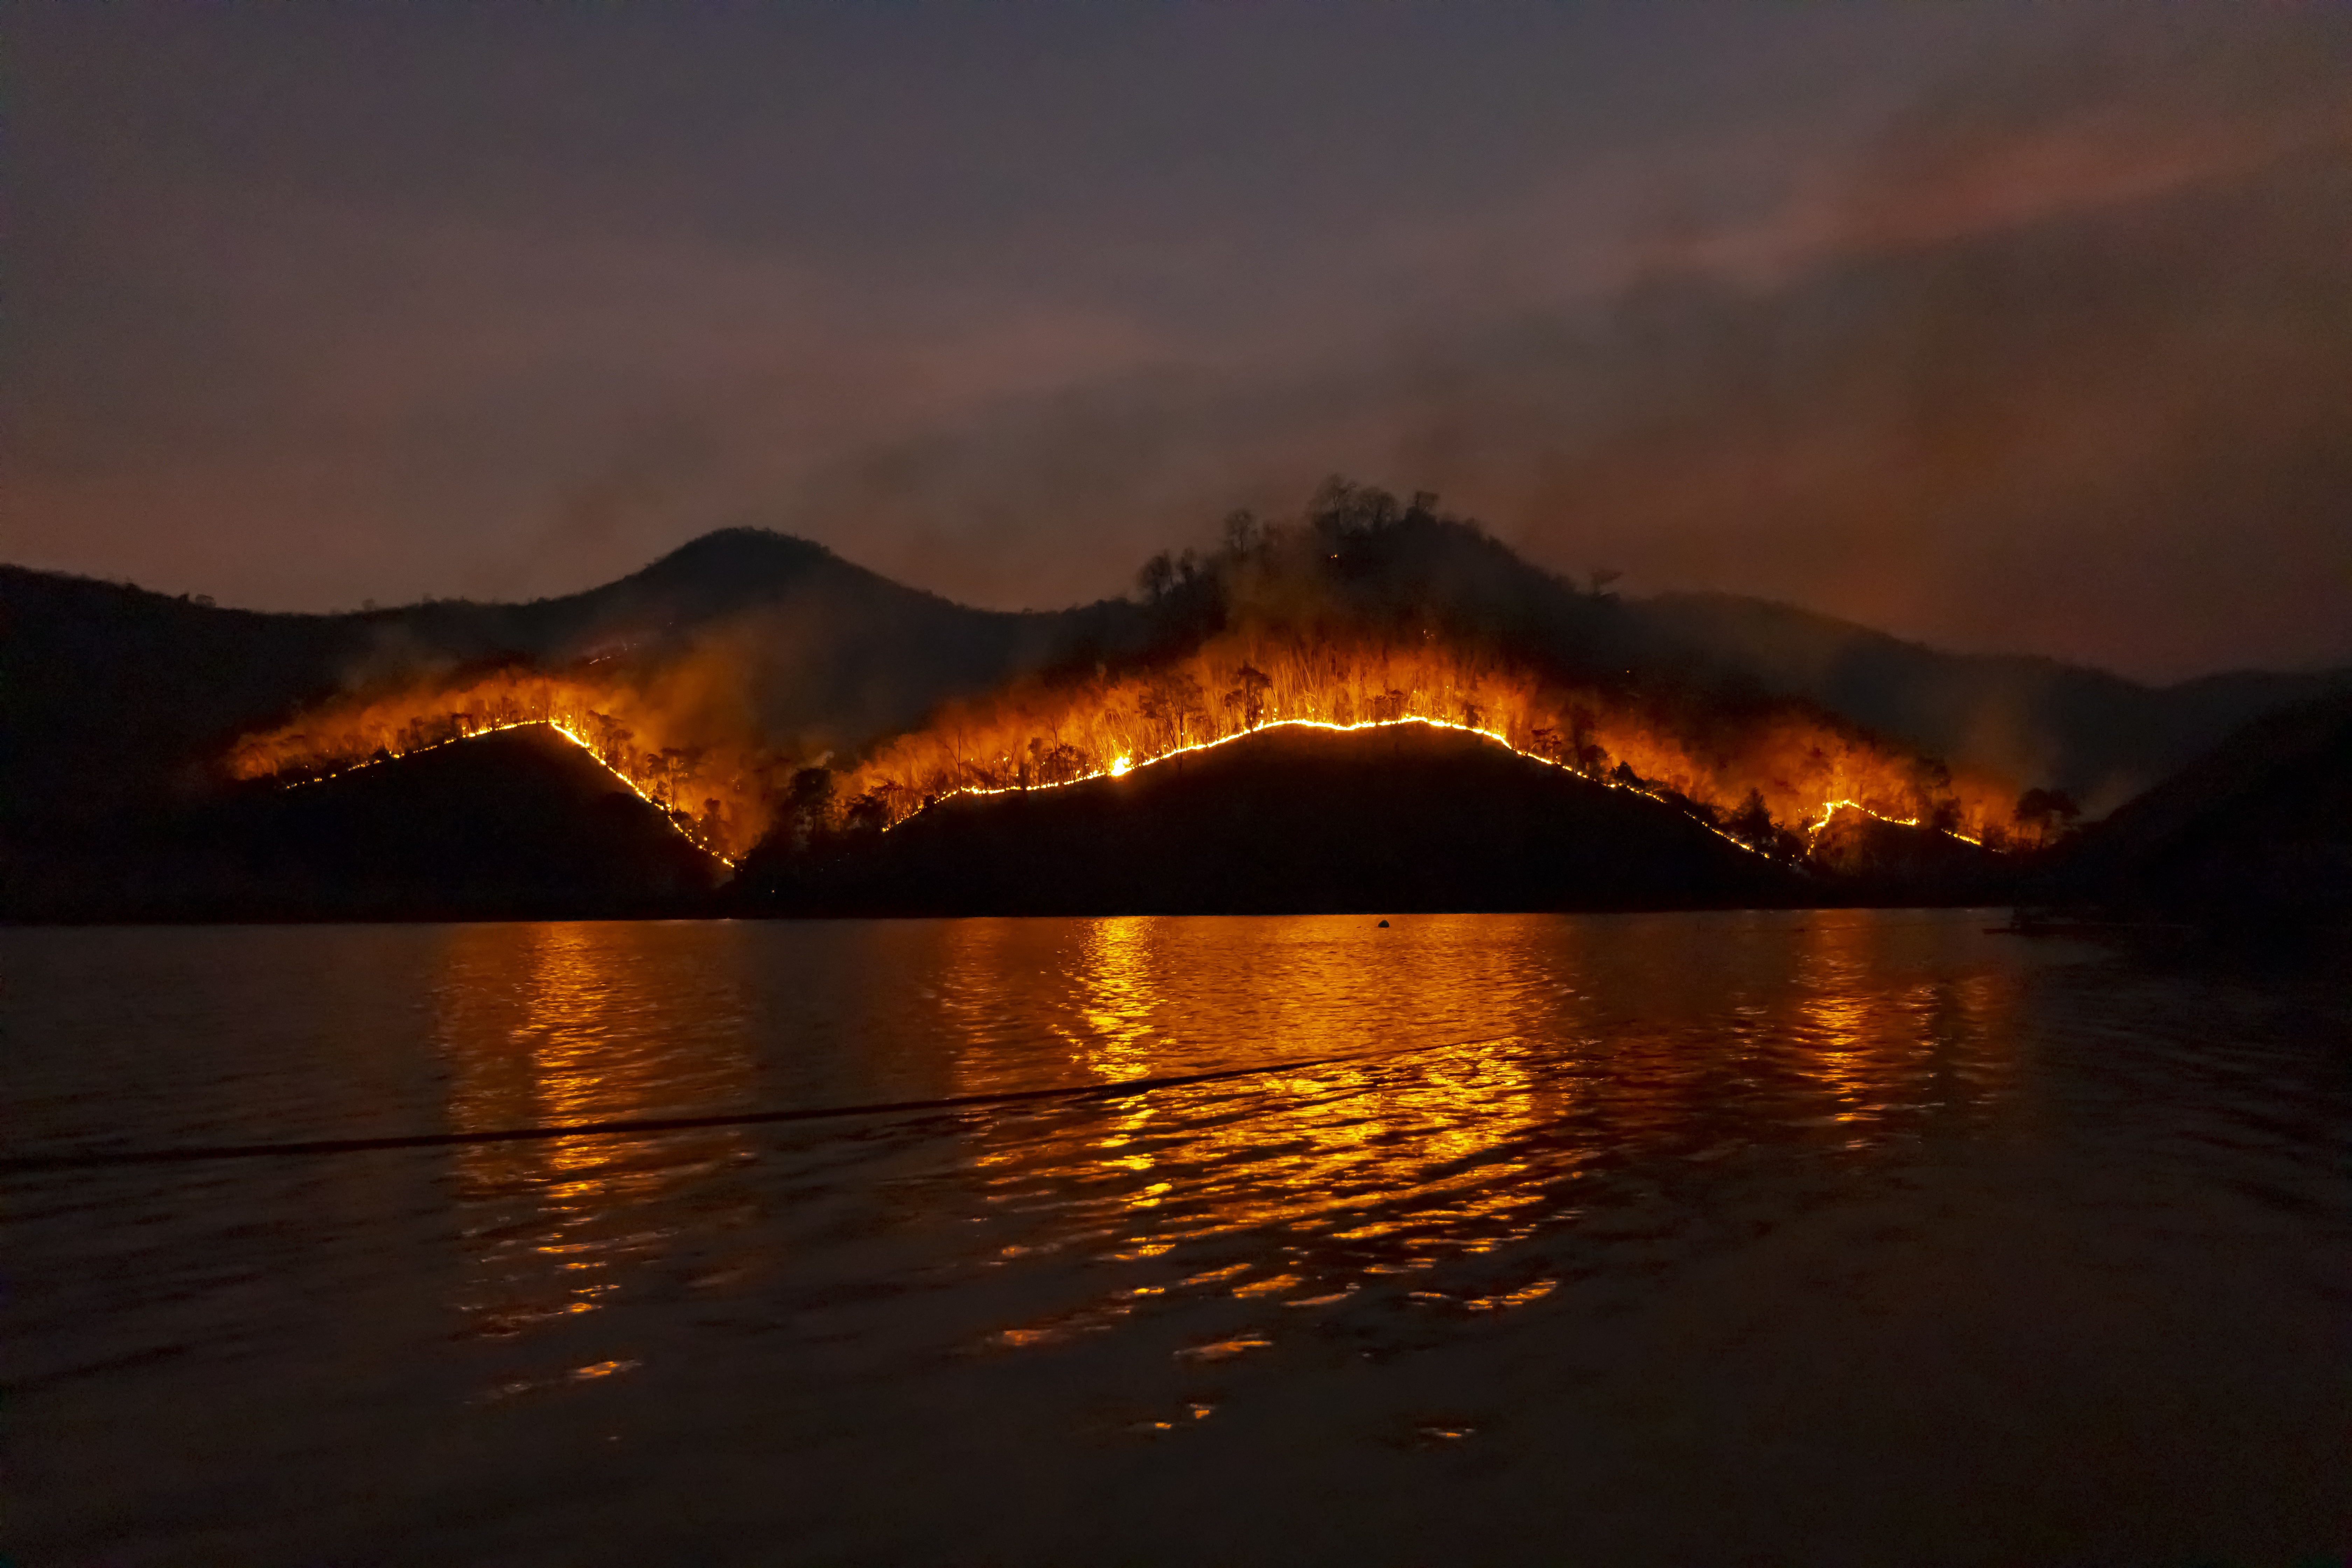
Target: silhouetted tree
[[808, 805], [1171, 700], [1752, 823], [668, 769], [2046, 812], [869, 814], [1159, 575], [1931, 780], [1248, 696], [1587, 756]]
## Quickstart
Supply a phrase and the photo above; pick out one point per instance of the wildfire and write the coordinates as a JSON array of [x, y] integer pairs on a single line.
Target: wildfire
[[1828, 812], [1768, 776], [577, 739], [732, 784], [1765, 775], [1122, 766]]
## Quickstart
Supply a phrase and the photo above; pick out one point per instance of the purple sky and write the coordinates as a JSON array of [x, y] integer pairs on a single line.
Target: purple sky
[[2002, 327]]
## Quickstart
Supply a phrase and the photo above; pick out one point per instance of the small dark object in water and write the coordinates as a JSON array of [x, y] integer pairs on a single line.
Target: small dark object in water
[[1384, 925]]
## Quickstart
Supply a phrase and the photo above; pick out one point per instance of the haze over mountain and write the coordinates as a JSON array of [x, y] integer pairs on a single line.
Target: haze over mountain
[[1997, 325], [117, 698], [2259, 828]]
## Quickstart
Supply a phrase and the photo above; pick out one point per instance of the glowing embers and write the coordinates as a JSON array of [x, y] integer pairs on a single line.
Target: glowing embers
[[1829, 814], [1123, 765], [669, 818], [714, 794], [1757, 771]]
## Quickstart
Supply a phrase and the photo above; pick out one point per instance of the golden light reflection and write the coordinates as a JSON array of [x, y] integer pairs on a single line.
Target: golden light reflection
[[1488, 1094], [571, 1023], [1428, 1094], [1363, 1153], [1121, 996], [1875, 1047], [1837, 1010]]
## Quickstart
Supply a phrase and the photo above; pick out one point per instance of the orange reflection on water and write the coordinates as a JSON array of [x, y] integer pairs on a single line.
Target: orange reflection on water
[[1121, 998], [543, 1024], [1481, 1091], [1435, 1092], [1879, 1049], [1336, 1148], [1837, 1012]]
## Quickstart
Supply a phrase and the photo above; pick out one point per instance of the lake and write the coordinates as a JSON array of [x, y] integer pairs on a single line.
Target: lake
[[1822, 1237]]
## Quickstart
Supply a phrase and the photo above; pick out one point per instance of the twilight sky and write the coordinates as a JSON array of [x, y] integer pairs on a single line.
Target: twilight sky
[[2005, 327]]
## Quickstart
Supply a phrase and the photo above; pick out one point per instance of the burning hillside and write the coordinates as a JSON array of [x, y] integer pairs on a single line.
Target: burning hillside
[[1363, 614], [1368, 614], [1762, 772], [712, 789], [1288, 819]]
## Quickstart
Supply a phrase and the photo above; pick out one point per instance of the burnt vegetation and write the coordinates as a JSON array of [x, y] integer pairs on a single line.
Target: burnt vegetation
[[755, 698], [1368, 610]]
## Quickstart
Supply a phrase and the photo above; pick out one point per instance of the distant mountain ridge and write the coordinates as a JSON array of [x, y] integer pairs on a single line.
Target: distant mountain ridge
[[114, 699], [134, 695], [2257, 829], [2099, 736]]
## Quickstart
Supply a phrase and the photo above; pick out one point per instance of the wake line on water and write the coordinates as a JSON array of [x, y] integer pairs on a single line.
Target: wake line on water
[[647, 1127]]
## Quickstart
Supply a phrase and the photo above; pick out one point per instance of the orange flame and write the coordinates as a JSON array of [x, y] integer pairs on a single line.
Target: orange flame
[[714, 793], [1800, 766], [1757, 772]]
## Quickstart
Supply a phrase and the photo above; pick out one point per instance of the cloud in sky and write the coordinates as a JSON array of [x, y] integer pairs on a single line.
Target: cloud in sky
[[1997, 326]]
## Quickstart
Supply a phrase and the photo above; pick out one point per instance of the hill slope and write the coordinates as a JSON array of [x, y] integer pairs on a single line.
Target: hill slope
[[114, 699], [117, 703], [519, 825], [2097, 736], [1287, 820], [2259, 829]]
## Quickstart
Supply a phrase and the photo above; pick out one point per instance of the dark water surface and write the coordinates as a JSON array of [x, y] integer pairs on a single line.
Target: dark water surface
[[1812, 1237]]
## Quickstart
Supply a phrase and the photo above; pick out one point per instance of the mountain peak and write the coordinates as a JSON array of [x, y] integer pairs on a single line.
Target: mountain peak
[[727, 550]]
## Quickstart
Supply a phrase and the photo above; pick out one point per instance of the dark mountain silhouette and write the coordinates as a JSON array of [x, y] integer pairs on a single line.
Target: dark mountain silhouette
[[1285, 820], [2259, 829], [2099, 737], [1866, 859], [134, 695], [116, 699], [520, 825], [117, 706]]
